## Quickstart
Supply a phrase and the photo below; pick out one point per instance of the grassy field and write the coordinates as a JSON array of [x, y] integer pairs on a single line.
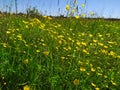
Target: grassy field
[[59, 54]]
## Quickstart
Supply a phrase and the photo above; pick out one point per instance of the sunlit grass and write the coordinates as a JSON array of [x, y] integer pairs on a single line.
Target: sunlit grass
[[59, 53]]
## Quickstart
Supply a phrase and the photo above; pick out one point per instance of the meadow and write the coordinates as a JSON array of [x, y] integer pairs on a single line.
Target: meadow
[[48, 53]]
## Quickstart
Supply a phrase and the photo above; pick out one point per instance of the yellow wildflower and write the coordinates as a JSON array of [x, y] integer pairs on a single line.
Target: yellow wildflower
[[104, 51], [85, 51], [105, 76], [97, 88], [91, 13], [76, 82], [90, 35], [92, 69], [83, 43], [26, 61], [93, 84], [101, 44], [77, 17], [105, 46], [112, 53], [67, 7], [46, 52], [49, 18], [113, 83], [44, 16], [82, 69], [88, 74], [26, 87], [83, 5], [94, 41], [118, 56], [8, 32], [4, 83], [82, 15], [4, 45], [73, 11], [37, 51], [78, 43]]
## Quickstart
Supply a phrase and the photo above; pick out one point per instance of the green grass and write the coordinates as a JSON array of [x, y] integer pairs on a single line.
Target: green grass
[[51, 54]]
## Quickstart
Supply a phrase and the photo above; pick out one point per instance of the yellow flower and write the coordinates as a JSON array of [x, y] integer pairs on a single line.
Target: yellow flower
[[4, 45], [60, 42], [4, 83], [73, 11], [88, 74], [49, 18], [85, 51], [92, 69], [19, 37], [93, 84], [82, 15], [97, 88], [46, 52], [67, 7], [91, 13], [105, 46], [77, 17], [76, 82], [94, 41], [101, 44], [62, 58], [37, 51], [106, 86], [27, 26], [118, 56], [105, 76], [26, 61], [8, 32], [44, 16], [113, 83], [90, 35], [82, 69], [26, 87], [83, 43], [83, 5], [78, 43], [104, 51], [112, 53], [100, 74]]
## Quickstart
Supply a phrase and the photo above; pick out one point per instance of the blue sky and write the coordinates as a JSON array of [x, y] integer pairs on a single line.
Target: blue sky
[[103, 8]]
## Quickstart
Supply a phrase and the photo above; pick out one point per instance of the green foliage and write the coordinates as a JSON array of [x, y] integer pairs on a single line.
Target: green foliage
[[59, 53], [32, 11]]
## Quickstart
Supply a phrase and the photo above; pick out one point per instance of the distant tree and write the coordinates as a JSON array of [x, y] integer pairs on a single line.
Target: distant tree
[[32, 11]]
